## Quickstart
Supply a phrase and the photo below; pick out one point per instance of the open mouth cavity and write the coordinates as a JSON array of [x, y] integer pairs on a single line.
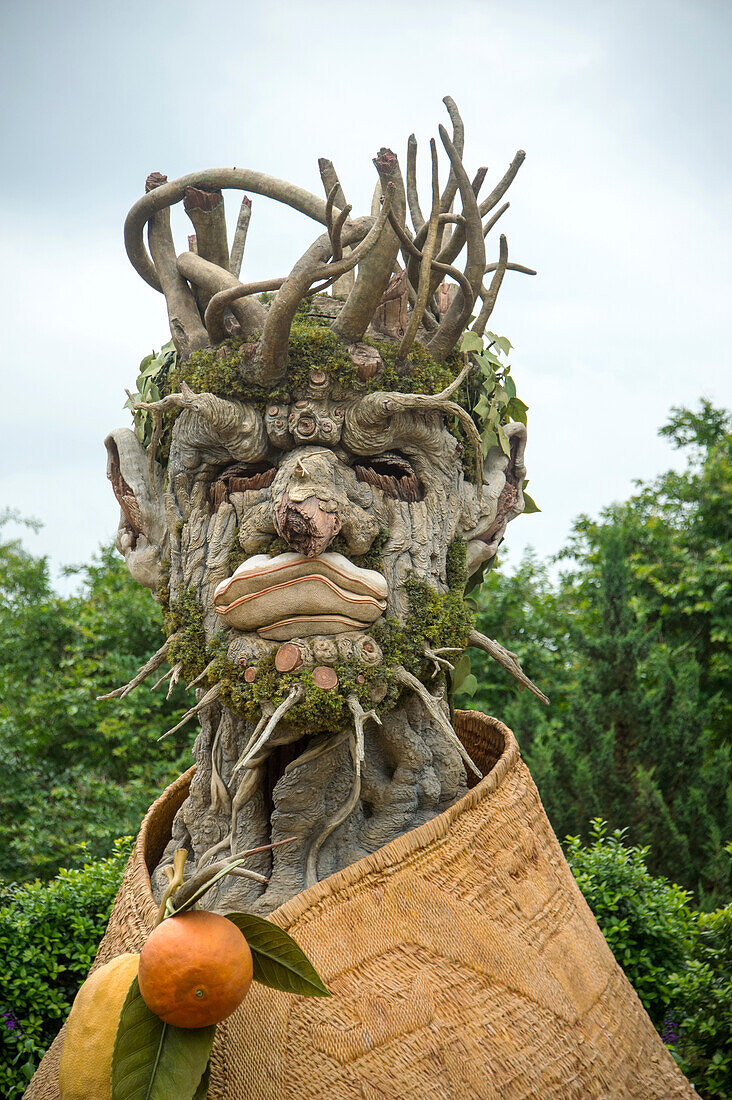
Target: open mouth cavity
[[291, 596]]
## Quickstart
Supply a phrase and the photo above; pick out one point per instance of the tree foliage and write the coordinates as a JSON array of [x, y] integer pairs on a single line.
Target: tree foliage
[[49, 934], [633, 643], [678, 959], [73, 769]]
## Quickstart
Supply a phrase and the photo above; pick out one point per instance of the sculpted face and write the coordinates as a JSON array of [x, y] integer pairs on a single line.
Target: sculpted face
[[307, 493], [330, 503]]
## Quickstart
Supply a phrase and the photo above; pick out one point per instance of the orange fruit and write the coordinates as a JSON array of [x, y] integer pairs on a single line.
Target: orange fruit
[[86, 1057], [195, 969]]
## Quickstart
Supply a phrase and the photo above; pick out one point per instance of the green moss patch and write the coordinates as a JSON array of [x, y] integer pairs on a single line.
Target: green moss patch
[[184, 618], [226, 370]]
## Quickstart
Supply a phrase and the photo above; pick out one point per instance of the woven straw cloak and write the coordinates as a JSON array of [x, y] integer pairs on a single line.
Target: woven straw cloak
[[463, 960]]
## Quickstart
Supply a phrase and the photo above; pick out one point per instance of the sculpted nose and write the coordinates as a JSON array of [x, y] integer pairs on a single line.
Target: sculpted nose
[[305, 526]]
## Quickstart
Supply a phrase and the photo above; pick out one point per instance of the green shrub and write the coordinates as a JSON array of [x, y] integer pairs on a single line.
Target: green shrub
[[699, 1024], [679, 960], [646, 921], [49, 933]]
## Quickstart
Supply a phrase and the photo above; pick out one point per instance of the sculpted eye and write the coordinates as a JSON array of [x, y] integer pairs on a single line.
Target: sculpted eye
[[393, 474], [240, 477]]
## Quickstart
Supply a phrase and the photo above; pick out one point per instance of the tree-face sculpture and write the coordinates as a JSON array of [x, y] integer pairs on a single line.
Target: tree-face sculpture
[[311, 502]]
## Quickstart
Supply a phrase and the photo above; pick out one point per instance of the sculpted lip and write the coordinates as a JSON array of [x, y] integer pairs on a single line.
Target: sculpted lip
[[290, 594]]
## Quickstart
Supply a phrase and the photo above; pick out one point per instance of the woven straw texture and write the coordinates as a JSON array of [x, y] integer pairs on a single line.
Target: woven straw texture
[[463, 960]]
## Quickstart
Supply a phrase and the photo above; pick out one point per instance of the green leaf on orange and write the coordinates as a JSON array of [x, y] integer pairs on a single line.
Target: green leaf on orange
[[153, 1060], [278, 961]]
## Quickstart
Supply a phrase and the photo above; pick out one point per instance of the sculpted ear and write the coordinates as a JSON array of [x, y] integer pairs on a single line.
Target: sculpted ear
[[142, 529], [502, 499]]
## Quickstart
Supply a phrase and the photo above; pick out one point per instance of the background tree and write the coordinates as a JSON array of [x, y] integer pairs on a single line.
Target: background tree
[[633, 643], [73, 769]]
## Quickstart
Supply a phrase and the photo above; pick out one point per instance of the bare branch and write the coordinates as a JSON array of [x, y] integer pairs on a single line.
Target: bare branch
[[503, 184], [212, 279], [173, 674], [210, 697], [458, 140], [490, 299], [454, 245], [224, 299], [376, 269], [506, 660], [152, 665], [201, 675], [440, 663], [204, 874], [413, 268], [412, 194], [240, 237], [357, 747], [185, 322], [216, 178], [457, 316], [271, 358], [335, 237], [442, 269], [206, 210], [432, 706], [329, 176], [509, 267], [444, 219], [492, 221], [425, 262], [330, 179], [292, 699]]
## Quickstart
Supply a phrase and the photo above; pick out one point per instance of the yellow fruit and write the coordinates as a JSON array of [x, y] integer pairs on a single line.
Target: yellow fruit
[[195, 969], [86, 1058]]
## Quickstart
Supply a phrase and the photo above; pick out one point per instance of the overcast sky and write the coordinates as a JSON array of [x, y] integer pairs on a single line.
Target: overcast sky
[[622, 205]]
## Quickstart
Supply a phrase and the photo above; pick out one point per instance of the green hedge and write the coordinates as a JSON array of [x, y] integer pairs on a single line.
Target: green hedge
[[679, 960], [49, 933]]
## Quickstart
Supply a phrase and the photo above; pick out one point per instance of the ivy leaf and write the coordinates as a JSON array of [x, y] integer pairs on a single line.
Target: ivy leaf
[[530, 505], [469, 686], [460, 672], [503, 440], [509, 386], [517, 410], [488, 439], [476, 579], [471, 342], [482, 406], [153, 1060], [503, 342], [488, 357], [278, 961]]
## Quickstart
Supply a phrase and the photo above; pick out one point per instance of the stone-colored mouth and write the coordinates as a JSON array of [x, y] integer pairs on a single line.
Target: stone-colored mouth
[[292, 596]]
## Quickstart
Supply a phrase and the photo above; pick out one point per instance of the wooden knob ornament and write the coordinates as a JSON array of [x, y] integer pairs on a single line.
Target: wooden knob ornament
[[325, 678], [288, 657]]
